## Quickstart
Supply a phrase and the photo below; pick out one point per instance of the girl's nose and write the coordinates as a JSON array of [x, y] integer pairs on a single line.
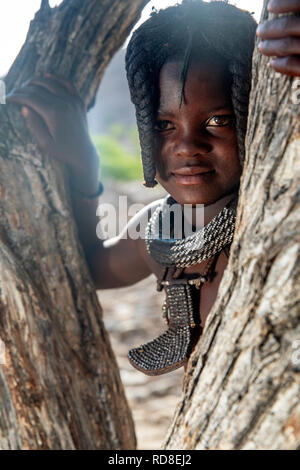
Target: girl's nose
[[192, 144]]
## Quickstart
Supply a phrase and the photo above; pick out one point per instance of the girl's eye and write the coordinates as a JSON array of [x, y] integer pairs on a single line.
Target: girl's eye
[[163, 126], [220, 121]]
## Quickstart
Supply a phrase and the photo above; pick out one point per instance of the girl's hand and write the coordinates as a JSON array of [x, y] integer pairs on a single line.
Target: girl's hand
[[56, 116], [281, 37]]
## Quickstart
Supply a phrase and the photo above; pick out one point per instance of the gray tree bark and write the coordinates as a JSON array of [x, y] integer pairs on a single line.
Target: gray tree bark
[[59, 382], [242, 387]]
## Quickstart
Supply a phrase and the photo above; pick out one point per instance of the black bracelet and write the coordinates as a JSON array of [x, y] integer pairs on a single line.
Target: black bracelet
[[92, 196]]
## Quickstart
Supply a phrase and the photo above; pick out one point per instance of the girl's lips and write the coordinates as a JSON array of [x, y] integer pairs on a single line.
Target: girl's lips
[[193, 179]]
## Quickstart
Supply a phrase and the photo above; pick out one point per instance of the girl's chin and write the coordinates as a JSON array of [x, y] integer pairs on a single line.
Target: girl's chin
[[193, 199], [190, 194]]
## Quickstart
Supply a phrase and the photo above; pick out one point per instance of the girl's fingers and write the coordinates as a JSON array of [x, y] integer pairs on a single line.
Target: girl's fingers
[[58, 86], [39, 130], [281, 37], [64, 82], [284, 6], [287, 65], [67, 86], [39, 101], [51, 86], [279, 28], [280, 47], [46, 94]]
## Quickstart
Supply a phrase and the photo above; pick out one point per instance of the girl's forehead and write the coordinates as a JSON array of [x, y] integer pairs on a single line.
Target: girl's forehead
[[207, 81], [197, 69]]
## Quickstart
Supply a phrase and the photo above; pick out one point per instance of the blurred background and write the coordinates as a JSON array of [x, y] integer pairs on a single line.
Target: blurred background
[[132, 315]]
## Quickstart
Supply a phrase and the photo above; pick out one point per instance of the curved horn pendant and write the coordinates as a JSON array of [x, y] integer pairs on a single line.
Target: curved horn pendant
[[171, 349]]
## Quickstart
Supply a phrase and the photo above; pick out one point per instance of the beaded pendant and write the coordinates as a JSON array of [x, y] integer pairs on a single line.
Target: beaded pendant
[[171, 350]]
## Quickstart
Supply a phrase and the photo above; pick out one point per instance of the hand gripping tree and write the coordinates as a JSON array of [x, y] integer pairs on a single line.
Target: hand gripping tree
[[59, 382]]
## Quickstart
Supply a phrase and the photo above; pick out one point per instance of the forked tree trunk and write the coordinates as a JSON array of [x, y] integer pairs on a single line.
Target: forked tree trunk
[[242, 388], [59, 385]]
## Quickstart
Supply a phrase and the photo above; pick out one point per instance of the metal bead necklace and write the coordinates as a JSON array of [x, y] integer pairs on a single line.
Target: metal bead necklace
[[195, 248], [171, 349]]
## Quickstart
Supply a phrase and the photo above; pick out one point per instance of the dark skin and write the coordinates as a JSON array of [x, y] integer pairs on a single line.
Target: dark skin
[[198, 137], [200, 134], [280, 38]]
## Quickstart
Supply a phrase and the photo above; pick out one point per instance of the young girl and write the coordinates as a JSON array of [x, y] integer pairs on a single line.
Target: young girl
[[189, 73]]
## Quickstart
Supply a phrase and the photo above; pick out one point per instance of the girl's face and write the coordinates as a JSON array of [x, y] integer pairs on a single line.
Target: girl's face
[[199, 137]]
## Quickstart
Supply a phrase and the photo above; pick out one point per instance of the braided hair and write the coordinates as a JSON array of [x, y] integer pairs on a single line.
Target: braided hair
[[215, 28]]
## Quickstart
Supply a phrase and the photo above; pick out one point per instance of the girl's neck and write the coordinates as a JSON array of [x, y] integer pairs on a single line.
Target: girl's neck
[[203, 214]]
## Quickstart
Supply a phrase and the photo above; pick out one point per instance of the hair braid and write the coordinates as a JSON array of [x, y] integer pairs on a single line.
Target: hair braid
[[216, 27]]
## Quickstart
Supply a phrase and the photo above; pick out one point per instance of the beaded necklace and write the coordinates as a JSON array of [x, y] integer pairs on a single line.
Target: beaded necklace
[[172, 348]]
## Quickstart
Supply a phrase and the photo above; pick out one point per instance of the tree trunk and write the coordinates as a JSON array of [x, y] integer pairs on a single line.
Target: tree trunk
[[59, 382], [242, 387]]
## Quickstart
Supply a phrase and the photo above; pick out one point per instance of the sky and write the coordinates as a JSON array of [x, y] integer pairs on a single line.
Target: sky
[[15, 16]]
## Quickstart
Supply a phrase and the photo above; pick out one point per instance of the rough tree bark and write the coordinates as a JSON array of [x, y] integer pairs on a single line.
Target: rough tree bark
[[59, 386], [242, 388]]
